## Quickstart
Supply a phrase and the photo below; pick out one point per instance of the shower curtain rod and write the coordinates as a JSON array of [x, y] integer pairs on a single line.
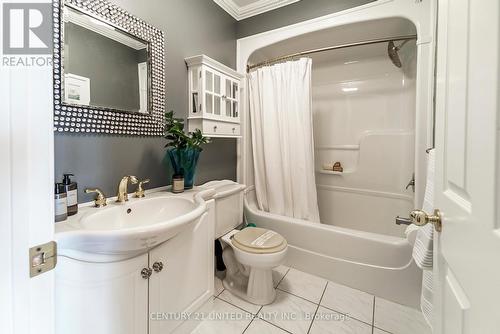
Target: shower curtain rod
[[328, 48]]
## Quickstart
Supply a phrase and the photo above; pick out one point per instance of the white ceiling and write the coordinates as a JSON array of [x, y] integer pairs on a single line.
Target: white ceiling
[[241, 9]]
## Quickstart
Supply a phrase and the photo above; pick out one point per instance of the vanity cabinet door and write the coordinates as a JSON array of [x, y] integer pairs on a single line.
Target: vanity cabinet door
[[185, 280], [101, 298]]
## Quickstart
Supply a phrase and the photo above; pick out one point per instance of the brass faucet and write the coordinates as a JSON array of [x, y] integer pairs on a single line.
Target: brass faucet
[[139, 193], [122, 195], [100, 200]]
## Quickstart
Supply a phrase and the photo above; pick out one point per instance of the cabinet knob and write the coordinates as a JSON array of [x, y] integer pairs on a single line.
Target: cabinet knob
[[215, 128], [146, 273], [234, 129], [158, 266]]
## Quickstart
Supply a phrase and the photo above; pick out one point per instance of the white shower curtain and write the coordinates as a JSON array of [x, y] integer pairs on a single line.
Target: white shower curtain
[[282, 139]]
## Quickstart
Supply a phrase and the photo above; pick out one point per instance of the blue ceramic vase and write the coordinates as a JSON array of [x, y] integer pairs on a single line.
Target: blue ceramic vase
[[184, 162]]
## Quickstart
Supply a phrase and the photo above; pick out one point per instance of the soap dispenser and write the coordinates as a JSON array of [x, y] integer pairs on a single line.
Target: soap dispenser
[[71, 193], [60, 201]]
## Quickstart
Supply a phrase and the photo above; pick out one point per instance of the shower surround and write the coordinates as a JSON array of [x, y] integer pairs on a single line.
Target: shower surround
[[373, 117]]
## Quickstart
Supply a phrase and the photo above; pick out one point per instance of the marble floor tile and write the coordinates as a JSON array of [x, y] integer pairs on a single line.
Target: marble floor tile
[[278, 273], [357, 304], [330, 322], [219, 317], [289, 312], [303, 285], [399, 319], [261, 327], [236, 301]]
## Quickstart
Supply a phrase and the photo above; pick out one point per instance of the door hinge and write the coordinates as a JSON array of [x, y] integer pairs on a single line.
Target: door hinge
[[43, 258]]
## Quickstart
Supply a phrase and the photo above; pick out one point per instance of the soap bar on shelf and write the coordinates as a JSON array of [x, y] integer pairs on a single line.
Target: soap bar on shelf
[[328, 166], [337, 167]]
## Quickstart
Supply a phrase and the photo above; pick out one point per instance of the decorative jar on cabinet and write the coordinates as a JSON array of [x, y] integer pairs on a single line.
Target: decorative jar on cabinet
[[214, 97]]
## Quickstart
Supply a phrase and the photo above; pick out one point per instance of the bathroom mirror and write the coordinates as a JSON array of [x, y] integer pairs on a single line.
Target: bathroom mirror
[[102, 65], [108, 70]]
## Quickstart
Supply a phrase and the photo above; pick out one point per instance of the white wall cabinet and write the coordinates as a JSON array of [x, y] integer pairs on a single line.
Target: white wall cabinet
[[214, 97], [116, 297]]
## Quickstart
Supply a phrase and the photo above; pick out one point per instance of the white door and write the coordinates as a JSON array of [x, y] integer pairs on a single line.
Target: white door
[[467, 257], [26, 195]]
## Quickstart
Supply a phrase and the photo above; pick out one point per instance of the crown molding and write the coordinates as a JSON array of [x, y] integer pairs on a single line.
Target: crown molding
[[256, 8]]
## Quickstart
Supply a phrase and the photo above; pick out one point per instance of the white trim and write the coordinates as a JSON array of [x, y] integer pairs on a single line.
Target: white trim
[[255, 8], [6, 225]]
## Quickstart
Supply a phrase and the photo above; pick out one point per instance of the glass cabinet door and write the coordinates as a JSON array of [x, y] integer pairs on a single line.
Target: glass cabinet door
[[217, 94], [195, 89], [228, 112], [235, 93], [221, 95], [209, 92]]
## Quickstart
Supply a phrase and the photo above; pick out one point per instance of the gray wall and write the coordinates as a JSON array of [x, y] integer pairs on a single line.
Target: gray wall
[[191, 27], [111, 67], [294, 13]]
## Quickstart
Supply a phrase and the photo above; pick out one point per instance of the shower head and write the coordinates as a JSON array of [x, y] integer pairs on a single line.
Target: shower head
[[392, 52]]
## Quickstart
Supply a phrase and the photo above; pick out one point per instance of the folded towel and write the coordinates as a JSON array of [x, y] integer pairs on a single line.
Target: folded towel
[[423, 246], [411, 233], [426, 296]]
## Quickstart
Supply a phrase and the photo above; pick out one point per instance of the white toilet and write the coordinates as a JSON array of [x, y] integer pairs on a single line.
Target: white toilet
[[249, 254]]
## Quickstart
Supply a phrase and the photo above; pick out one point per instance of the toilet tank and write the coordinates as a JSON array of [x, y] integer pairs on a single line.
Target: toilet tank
[[228, 205]]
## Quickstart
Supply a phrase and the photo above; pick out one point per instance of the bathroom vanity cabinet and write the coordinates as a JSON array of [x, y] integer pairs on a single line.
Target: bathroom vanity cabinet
[[214, 97], [144, 294]]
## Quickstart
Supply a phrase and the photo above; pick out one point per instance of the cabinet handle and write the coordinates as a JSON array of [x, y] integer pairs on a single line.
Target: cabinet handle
[[215, 128], [234, 129], [158, 266], [146, 273]]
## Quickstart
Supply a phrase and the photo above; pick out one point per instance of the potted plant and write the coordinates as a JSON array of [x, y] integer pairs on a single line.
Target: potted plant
[[183, 149]]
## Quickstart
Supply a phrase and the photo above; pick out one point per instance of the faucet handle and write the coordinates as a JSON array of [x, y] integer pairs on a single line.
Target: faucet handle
[[100, 199], [139, 193]]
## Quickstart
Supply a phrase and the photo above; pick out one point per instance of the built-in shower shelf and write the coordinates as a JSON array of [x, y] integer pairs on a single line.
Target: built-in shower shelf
[[337, 147], [331, 172]]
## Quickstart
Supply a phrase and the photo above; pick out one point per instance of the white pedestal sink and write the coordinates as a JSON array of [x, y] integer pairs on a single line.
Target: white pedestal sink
[[121, 265], [130, 228]]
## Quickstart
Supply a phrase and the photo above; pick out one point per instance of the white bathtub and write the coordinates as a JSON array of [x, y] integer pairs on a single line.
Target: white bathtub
[[378, 264]]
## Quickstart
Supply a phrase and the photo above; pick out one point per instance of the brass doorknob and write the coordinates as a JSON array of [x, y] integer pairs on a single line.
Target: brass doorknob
[[421, 218]]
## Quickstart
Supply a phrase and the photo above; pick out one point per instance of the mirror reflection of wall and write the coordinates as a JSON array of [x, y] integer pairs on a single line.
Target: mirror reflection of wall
[[103, 66]]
